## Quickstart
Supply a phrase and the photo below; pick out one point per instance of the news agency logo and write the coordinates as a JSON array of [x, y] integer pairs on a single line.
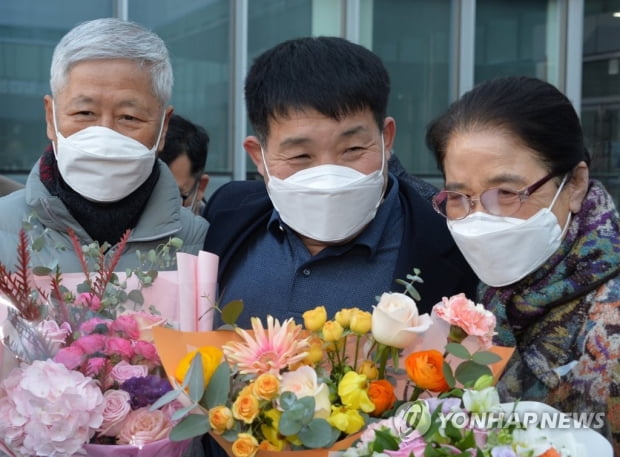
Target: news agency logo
[[417, 416]]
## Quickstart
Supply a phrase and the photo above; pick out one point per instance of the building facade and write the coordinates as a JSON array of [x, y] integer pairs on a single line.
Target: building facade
[[435, 50]]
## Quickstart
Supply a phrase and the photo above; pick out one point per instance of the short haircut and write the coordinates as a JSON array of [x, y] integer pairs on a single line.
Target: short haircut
[[330, 75], [111, 38], [534, 111], [186, 138]]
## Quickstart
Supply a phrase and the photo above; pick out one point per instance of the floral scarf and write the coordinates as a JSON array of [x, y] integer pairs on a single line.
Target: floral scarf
[[564, 318]]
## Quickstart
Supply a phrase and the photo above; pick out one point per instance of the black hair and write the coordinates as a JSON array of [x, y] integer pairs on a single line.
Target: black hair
[[534, 111], [328, 74], [186, 138]]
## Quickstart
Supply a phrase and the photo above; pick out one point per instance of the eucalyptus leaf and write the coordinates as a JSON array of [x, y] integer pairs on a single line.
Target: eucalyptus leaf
[[190, 427], [41, 271], [136, 296], [196, 377], [458, 350], [231, 311], [468, 372], [179, 413], [287, 400], [166, 398], [316, 434], [219, 387], [485, 357], [299, 414]]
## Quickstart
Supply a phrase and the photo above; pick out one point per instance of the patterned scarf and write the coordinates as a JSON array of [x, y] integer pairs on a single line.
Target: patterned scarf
[[545, 314], [104, 222]]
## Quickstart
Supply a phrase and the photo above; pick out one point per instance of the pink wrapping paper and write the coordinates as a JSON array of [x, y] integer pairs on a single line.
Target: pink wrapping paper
[[161, 448]]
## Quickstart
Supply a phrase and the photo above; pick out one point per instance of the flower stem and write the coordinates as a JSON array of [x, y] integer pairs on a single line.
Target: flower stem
[[383, 355], [357, 348], [416, 393]]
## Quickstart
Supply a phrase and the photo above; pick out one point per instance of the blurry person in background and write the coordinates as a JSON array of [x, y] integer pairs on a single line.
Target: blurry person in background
[[107, 117], [185, 153], [8, 185], [543, 238]]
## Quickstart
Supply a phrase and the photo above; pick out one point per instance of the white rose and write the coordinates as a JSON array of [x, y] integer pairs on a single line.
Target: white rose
[[303, 383], [395, 320]]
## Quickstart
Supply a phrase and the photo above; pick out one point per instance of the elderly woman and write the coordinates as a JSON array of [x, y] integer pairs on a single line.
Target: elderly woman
[[543, 238]]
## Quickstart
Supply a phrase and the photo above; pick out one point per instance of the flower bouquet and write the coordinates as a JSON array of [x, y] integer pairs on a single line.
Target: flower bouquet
[[310, 389], [88, 370]]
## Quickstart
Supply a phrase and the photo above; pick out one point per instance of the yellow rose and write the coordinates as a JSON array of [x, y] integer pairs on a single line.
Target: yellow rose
[[369, 369], [315, 318], [361, 322], [353, 391], [315, 352], [211, 359], [346, 420], [220, 419], [343, 317], [245, 445], [332, 331], [266, 386], [245, 408]]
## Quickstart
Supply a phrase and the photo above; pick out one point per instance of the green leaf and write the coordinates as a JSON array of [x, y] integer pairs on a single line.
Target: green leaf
[[219, 387], [468, 372], [41, 271], [485, 357], [296, 416], [165, 399], [447, 374], [287, 400], [458, 350], [196, 377], [179, 413], [37, 244], [193, 425], [231, 311], [136, 296], [467, 442], [384, 440], [318, 433], [452, 432], [152, 256]]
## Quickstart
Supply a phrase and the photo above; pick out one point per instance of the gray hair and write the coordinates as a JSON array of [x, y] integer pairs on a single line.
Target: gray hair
[[111, 38]]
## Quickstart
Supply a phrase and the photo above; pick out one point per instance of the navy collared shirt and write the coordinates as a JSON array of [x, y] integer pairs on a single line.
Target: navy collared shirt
[[277, 275]]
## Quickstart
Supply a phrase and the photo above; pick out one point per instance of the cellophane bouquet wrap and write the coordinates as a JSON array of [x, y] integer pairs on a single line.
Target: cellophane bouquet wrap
[[313, 388], [87, 371]]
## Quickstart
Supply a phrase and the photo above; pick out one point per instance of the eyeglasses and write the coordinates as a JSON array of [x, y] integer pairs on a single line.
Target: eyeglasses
[[496, 201]]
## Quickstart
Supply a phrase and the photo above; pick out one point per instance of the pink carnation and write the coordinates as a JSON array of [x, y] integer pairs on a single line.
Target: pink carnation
[[71, 357], [91, 344], [89, 326], [143, 426], [123, 371], [458, 310], [90, 300], [126, 326], [96, 366], [120, 346]]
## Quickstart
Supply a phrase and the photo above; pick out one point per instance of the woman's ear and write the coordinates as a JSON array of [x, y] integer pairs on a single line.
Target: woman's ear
[[578, 186]]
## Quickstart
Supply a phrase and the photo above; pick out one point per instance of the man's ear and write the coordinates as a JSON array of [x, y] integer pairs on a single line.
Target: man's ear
[[252, 147], [203, 182], [578, 186], [389, 133], [49, 117], [164, 129]]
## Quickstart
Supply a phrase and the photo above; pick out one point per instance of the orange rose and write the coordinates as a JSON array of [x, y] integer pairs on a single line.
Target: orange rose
[[551, 452], [266, 386], [381, 393], [267, 446], [245, 408], [425, 370], [220, 419], [245, 445]]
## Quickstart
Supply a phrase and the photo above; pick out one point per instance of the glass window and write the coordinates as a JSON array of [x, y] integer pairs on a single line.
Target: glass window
[[517, 38], [413, 39], [197, 36], [29, 31]]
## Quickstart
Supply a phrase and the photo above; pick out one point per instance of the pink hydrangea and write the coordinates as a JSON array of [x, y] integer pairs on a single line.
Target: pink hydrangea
[[47, 409], [458, 310]]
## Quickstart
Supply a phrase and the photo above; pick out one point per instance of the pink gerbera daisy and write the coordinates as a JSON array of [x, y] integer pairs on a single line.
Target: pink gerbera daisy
[[280, 346]]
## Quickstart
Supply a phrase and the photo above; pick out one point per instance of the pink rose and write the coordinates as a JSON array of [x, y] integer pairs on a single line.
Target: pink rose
[[123, 371], [146, 322], [458, 310], [143, 426], [117, 407], [126, 326], [121, 346], [89, 300], [71, 357], [91, 344], [89, 326], [56, 335], [147, 350], [412, 445]]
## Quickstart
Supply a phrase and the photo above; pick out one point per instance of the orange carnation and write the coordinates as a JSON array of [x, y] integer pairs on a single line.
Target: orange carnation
[[425, 370], [381, 393]]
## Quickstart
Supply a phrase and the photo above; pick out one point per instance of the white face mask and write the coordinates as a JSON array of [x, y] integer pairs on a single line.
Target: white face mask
[[503, 250], [327, 203], [101, 164]]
